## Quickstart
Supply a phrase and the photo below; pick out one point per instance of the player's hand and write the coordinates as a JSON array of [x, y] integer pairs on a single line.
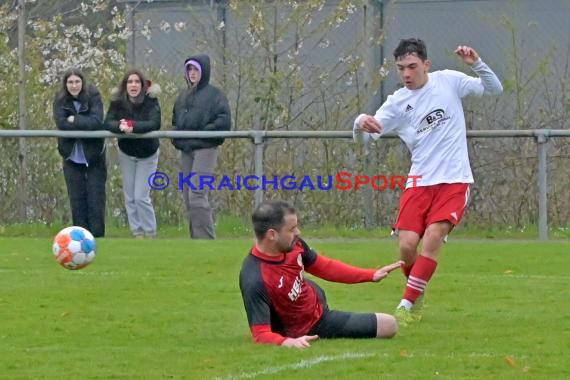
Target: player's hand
[[369, 124], [301, 342], [383, 272], [467, 54]]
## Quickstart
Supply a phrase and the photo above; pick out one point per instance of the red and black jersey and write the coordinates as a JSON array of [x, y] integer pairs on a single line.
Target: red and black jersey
[[279, 301]]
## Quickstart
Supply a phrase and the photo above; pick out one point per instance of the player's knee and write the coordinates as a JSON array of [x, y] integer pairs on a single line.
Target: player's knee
[[438, 231], [408, 251], [387, 326]]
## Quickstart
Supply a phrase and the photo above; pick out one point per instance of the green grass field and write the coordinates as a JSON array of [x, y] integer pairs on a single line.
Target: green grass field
[[171, 309]]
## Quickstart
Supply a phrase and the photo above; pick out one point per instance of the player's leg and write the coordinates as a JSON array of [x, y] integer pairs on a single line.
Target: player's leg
[[410, 224], [448, 206], [408, 241], [426, 263], [434, 237], [343, 324], [386, 325], [410, 227]]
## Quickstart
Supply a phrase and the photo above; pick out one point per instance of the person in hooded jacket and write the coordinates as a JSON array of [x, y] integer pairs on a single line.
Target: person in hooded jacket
[[135, 108], [78, 107], [199, 107]]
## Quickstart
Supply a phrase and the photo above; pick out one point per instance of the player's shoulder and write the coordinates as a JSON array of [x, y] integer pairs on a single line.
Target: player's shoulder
[[301, 243], [302, 246], [250, 273], [400, 93], [447, 73], [307, 254], [400, 97], [250, 265], [450, 79]]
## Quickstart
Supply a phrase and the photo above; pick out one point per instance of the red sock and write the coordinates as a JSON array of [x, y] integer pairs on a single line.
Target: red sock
[[419, 277], [406, 269]]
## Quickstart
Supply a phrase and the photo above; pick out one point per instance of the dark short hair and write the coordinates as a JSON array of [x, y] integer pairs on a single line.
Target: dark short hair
[[270, 215], [411, 46]]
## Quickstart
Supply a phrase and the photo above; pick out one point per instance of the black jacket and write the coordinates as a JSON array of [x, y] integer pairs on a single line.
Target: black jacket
[[89, 118], [203, 109], [145, 117]]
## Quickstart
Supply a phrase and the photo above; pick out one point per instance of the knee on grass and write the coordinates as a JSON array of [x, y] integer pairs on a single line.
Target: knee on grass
[[387, 326]]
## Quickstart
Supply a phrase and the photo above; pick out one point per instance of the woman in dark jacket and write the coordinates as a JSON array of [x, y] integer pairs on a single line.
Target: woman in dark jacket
[[200, 107], [78, 107], [135, 109]]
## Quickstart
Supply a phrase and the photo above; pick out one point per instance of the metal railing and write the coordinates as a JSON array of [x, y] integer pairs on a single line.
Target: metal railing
[[258, 138]]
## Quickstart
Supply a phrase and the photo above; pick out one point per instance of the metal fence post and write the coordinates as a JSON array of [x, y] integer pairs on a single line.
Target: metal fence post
[[259, 141], [370, 170], [542, 183], [131, 45]]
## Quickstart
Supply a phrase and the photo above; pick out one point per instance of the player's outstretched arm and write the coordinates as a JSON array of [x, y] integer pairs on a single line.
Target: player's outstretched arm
[[301, 342], [491, 84], [383, 272]]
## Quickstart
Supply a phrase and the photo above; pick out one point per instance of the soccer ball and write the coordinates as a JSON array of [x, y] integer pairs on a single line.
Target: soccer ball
[[74, 247]]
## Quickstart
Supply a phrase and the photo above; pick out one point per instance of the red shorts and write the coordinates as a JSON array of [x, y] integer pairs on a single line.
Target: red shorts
[[425, 205]]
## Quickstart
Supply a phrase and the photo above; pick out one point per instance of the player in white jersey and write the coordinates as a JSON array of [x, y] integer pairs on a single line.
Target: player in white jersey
[[427, 115]]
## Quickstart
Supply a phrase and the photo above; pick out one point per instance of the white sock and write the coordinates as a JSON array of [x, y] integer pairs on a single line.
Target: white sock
[[405, 304]]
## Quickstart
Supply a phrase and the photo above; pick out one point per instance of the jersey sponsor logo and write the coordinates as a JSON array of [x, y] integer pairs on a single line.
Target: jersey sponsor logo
[[432, 121], [297, 287]]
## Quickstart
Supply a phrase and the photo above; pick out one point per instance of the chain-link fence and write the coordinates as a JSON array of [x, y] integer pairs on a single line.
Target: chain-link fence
[[311, 65]]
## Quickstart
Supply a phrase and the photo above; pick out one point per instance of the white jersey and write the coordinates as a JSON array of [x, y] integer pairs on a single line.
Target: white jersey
[[431, 122]]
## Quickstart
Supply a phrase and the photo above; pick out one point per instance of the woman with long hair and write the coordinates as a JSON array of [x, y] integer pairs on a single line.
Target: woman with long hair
[[78, 107], [134, 108]]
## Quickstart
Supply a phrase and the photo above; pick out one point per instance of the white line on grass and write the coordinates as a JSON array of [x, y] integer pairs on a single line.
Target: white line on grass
[[301, 364], [357, 355], [507, 276]]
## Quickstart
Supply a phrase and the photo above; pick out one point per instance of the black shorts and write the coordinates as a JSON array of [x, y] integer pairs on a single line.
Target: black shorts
[[343, 324]]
